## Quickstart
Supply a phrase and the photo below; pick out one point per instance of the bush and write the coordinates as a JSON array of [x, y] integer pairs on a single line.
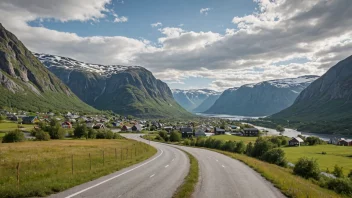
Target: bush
[[118, 136], [200, 142], [311, 140], [350, 174], [249, 149], [105, 134], [175, 136], [187, 142], [307, 168], [261, 146], [229, 146], [338, 171], [240, 147], [275, 156], [92, 134], [13, 136], [164, 135], [340, 185], [324, 153], [80, 131], [56, 132], [41, 135], [159, 138], [217, 144]]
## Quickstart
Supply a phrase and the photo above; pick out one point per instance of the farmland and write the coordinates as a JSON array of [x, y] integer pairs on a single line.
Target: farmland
[[246, 140]]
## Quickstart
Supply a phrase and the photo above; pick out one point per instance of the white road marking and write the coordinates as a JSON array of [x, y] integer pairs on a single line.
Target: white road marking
[[152, 175], [100, 183], [166, 166]]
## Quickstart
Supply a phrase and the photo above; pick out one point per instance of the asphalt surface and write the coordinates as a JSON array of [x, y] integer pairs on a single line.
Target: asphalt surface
[[158, 177]]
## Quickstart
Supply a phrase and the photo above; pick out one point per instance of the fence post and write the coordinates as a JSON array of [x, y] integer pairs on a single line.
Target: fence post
[[18, 174], [126, 153], [90, 163], [121, 155], [72, 163], [115, 153], [135, 151], [103, 158], [131, 152]]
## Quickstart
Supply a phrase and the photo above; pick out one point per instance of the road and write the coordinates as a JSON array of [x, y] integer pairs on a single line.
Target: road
[[220, 176], [159, 176]]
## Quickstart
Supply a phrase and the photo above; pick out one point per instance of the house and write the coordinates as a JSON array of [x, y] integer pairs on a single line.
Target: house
[[200, 133], [90, 125], [30, 120], [295, 141], [66, 125], [115, 124], [250, 132], [344, 142], [186, 132], [99, 126], [168, 128], [233, 127], [137, 128], [12, 117], [124, 128], [219, 131]]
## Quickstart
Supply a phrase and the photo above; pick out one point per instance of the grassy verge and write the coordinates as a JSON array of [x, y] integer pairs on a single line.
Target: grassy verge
[[283, 178], [30, 169], [10, 126], [190, 182]]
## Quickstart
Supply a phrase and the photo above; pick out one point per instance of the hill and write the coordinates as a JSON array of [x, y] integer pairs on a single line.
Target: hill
[[27, 85]]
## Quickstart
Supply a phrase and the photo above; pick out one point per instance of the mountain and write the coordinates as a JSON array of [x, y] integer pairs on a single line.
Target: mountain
[[329, 98], [126, 90], [27, 85], [261, 99], [195, 100]]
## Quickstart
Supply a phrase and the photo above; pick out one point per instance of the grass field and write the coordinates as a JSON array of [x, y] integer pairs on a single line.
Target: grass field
[[2, 134], [236, 138], [53, 166], [340, 155], [9, 126]]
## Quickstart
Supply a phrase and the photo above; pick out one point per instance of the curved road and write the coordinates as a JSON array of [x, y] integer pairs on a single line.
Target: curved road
[[159, 176], [220, 176]]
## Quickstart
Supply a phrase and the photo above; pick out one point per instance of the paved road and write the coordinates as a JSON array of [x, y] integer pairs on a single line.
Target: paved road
[[222, 176], [159, 177]]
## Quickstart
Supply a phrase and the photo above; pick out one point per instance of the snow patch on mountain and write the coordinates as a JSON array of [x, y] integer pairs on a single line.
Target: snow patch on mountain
[[71, 64], [287, 82]]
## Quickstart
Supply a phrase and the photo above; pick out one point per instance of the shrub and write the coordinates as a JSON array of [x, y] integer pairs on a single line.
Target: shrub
[[275, 156], [350, 174], [159, 138], [261, 146], [338, 171], [118, 136], [187, 142], [41, 135], [105, 134], [200, 142], [92, 134], [80, 131], [13, 136], [340, 185], [56, 132], [229, 146], [311, 140], [175, 136], [218, 144], [307, 168], [249, 149], [163, 134], [324, 153], [240, 147]]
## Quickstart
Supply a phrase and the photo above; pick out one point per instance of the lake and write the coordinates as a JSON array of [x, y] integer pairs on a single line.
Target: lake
[[287, 132]]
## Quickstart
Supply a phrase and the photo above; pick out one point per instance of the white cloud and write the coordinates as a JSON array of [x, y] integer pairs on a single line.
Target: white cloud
[[181, 25], [121, 19], [279, 31], [204, 11], [156, 24]]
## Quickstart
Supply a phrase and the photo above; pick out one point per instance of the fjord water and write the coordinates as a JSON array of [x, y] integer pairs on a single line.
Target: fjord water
[[288, 132]]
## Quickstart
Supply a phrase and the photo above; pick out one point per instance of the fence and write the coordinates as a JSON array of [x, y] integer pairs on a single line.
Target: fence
[[71, 169]]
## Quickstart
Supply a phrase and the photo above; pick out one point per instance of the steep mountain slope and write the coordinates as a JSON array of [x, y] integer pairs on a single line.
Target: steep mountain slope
[[26, 84], [261, 99], [127, 90], [328, 98], [194, 98]]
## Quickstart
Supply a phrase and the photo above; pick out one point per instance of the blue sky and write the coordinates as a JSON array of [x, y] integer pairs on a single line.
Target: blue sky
[[234, 42], [171, 13]]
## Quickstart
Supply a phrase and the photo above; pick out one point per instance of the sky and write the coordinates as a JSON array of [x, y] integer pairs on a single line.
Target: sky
[[214, 44]]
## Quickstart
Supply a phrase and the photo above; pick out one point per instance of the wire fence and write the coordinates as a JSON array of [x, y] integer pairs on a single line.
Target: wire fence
[[72, 167]]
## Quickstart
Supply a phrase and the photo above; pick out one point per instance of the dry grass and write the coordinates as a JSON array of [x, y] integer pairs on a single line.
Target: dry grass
[[46, 167]]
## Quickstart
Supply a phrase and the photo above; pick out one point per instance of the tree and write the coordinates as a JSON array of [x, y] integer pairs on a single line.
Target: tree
[[163, 134], [275, 156], [350, 174], [279, 128], [240, 147], [41, 135], [92, 134], [249, 149], [80, 131], [261, 146], [338, 171], [314, 140], [13, 136], [175, 136], [56, 132], [307, 168], [2, 118]]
